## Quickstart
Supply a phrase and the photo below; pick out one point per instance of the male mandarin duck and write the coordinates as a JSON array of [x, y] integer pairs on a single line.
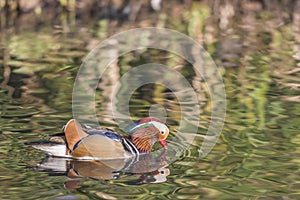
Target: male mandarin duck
[[83, 142]]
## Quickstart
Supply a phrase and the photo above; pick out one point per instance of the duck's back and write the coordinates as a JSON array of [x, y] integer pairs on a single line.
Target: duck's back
[[99, 146]]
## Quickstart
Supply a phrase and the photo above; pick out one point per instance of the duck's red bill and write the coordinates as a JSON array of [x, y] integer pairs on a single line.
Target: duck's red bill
[[163, 143]]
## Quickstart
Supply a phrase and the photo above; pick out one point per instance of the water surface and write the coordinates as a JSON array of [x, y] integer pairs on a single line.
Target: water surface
[[257, 156]]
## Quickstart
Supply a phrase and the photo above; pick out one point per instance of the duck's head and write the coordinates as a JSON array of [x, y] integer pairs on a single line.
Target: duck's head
[[147, 132]]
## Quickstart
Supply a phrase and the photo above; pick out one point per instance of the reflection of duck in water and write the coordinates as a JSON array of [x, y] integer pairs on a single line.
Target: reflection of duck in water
[[157, 176], [150, 169], [88, 143]]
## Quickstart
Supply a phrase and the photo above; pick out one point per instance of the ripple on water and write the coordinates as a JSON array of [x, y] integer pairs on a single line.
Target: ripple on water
[[130, 192]]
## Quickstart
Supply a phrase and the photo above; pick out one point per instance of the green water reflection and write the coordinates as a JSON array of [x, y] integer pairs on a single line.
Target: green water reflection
[[257, 51]]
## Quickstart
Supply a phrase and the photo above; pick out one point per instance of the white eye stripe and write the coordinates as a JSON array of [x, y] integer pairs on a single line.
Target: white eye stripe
[[161, 127]]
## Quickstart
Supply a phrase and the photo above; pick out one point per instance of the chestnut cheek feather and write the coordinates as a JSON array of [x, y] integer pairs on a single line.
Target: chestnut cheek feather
[[142, 144]]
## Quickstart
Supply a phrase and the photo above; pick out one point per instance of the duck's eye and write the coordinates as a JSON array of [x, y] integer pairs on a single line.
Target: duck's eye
[[162, 132]]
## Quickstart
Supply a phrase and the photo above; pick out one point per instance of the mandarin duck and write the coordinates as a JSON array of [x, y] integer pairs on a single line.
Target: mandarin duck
[[82, 142]]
